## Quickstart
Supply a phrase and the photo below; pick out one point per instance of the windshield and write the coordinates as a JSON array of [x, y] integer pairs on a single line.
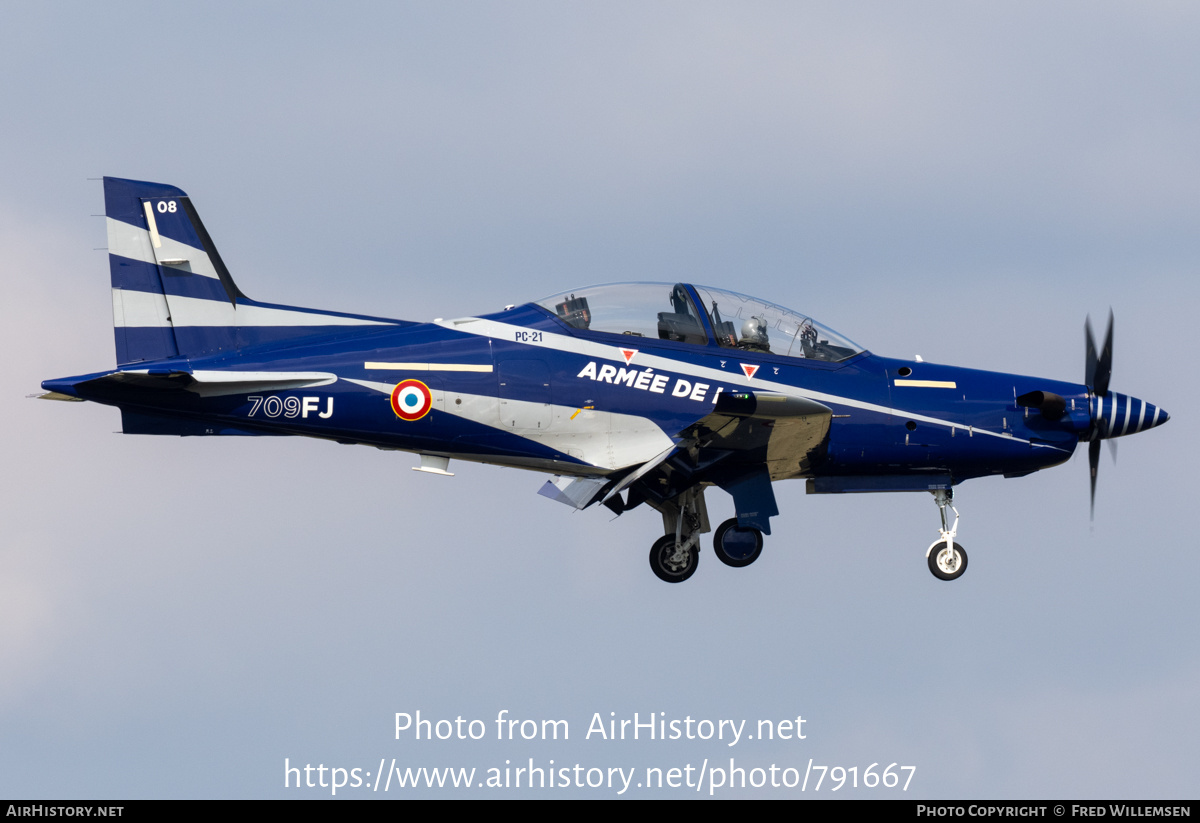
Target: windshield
[[748, 323], [667, 312]]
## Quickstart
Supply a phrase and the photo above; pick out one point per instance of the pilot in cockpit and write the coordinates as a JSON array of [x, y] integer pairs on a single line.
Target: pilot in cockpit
[[754, 335]]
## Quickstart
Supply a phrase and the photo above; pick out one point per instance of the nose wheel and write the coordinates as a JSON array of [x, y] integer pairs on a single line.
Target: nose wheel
[[947, 559], [947, 563]]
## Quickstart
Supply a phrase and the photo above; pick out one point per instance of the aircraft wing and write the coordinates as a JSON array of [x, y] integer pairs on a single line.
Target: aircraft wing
[[783, 433], [748, 440]]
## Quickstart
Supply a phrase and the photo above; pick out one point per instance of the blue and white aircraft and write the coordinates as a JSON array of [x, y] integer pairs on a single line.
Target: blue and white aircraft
[[627, 394]]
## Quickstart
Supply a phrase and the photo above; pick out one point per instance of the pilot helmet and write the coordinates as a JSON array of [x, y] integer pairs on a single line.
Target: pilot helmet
[[754, 330]]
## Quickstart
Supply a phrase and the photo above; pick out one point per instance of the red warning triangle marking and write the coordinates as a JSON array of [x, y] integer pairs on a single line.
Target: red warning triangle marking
[[748, 369], [628, 354]]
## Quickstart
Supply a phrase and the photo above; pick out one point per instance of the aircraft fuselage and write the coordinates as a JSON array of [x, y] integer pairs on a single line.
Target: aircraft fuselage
[[518, 388]]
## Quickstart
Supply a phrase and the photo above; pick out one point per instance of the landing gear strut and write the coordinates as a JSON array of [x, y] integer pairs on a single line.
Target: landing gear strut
[[947, 559], [675, 555]]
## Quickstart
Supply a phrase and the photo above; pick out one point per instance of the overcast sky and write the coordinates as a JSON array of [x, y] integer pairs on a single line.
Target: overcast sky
[[966, 182]]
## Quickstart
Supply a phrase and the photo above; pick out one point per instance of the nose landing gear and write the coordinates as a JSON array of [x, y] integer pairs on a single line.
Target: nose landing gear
[[947, 559]]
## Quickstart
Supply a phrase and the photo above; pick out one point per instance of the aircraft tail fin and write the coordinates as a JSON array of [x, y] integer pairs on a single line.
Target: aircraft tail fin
[[171, 291]]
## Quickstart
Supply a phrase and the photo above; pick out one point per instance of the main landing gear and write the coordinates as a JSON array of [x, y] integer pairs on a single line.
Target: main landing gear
[[675, 555], [736, 546], [673, 560], [947, 559]]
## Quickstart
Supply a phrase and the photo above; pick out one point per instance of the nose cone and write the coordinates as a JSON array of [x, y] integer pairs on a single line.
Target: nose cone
[[1116, 415]]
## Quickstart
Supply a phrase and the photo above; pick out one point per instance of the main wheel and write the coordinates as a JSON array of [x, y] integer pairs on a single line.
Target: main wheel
[[737, 546], [667, 566], [946, 563]]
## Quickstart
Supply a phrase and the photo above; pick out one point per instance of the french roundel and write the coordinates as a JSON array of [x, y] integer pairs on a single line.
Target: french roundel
[[411, 400]]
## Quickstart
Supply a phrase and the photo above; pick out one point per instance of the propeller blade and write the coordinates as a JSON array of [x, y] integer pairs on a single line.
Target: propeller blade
[[1089, 358], [1112, 450], [1098, 364], [1094, 465], [1104, 366]]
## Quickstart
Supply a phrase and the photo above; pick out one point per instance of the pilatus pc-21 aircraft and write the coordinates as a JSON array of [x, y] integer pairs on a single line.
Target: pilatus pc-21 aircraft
[[629, 394]]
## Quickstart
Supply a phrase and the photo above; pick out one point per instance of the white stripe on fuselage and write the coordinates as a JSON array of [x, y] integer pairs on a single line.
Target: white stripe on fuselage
[[928, 384], [589, 348], [472, 367]]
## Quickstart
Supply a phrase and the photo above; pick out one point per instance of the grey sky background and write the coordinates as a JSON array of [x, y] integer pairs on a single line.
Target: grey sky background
[[961, 181]]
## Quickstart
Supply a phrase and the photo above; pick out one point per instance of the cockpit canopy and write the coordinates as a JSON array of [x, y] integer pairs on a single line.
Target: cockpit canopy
[[666, 312]]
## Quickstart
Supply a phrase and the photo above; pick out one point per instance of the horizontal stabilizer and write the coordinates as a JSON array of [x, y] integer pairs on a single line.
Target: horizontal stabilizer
[[205, 383], [220, 383]]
